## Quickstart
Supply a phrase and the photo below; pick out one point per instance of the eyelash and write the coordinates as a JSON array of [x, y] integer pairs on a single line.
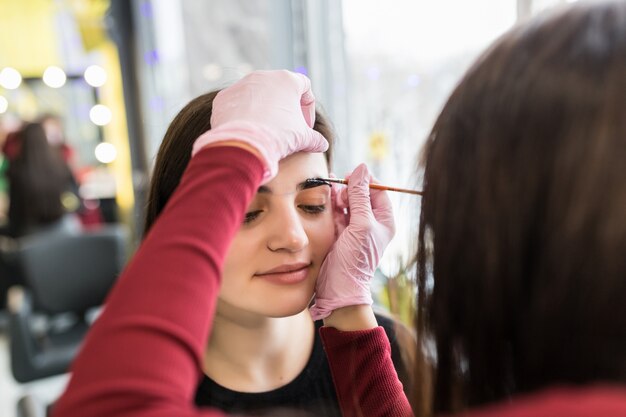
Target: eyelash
[[251, 216], [313, 209], [308, 209]]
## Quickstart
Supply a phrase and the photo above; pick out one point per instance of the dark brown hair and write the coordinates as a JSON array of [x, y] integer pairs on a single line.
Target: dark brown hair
[[522, 240], [175, 150], [37, 179]]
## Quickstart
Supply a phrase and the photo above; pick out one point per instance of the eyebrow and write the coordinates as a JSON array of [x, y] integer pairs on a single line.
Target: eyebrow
[[306, 184]]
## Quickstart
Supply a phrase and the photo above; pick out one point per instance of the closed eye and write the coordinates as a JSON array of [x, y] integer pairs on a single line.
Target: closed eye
[[251, 216], [310, 209]]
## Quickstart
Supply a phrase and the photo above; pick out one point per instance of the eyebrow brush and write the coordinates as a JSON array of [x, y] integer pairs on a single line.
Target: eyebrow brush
[[375, 186]]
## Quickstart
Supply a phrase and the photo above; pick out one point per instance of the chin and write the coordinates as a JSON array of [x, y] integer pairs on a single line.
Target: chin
[[287, 308]]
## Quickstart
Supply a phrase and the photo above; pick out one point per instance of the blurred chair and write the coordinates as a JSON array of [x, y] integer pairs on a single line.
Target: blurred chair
[[9, 272], [66, 275], [30, 406]]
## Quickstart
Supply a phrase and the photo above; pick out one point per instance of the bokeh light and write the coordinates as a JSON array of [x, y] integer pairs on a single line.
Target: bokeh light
[[100, 115], [95, 76], [105, 152], [10, 78], [54, 77]]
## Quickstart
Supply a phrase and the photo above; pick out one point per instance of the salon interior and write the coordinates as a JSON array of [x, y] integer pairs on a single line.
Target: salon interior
[[105, 77]]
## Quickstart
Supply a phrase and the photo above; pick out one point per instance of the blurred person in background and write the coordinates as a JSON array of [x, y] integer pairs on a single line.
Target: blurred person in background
[[4, 183], [55, 132], [253, 316], [41, 185], [88, 210]]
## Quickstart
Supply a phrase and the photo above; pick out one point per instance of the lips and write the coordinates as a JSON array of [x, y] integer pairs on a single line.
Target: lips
[[285, 268], [286, 274]]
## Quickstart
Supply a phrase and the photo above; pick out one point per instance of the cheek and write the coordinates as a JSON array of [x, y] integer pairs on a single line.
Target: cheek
[[322, 235], [240, 258]]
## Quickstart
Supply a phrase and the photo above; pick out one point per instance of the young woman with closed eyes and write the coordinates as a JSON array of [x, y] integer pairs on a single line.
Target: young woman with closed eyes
[[264, 350]]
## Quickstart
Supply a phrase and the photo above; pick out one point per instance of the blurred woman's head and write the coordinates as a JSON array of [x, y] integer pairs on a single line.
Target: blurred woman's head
[[37, 179], [273, 262], [522, 265]]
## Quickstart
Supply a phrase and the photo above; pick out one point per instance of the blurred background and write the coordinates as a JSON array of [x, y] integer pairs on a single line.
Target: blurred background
[[105, 77]]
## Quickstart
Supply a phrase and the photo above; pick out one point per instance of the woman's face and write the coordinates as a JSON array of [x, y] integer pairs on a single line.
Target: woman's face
[[274, 260]]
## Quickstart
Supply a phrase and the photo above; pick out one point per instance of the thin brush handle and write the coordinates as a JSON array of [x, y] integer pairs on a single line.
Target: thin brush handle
[[375, 186]]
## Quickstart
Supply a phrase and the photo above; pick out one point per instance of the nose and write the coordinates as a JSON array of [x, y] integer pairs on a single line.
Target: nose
[[287, 231]]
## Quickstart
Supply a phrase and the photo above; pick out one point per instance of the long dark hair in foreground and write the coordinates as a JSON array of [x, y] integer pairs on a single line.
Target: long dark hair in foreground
[[522, 239]]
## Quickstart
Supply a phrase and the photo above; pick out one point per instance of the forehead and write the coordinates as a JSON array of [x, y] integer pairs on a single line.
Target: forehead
[[296, 168]]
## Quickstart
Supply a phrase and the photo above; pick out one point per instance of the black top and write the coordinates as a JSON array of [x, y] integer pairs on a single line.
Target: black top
[[311, 392]]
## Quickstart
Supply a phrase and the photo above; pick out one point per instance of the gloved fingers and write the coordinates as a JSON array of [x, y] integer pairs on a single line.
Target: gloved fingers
[[307, 98], [266, 109], [360, 205], [339, 194], [307, 104], [268, 87], [314, 141], [341, 216], [342, 195], [380, 202], [382, 208], [242, 91], [308, 111]]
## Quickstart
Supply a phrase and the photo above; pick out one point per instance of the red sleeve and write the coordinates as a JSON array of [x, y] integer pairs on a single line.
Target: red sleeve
[[363, 373], [142, 356]]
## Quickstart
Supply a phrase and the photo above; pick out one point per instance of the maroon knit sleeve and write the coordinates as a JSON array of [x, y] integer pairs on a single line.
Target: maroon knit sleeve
[[363, 373], [142, 356]]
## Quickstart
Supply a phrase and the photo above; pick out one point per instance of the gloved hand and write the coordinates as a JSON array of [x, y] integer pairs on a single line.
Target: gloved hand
[[273, 111], [349, 266]]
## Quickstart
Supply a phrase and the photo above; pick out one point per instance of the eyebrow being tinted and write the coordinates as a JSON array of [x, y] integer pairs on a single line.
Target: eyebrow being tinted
[[304, 185]]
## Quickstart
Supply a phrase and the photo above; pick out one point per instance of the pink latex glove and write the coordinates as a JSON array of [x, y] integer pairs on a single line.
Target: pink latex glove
[[349, 267], [272, 111]]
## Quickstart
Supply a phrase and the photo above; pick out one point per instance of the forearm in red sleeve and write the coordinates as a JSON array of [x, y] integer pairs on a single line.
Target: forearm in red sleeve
[[142, 356], [363, 373]]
